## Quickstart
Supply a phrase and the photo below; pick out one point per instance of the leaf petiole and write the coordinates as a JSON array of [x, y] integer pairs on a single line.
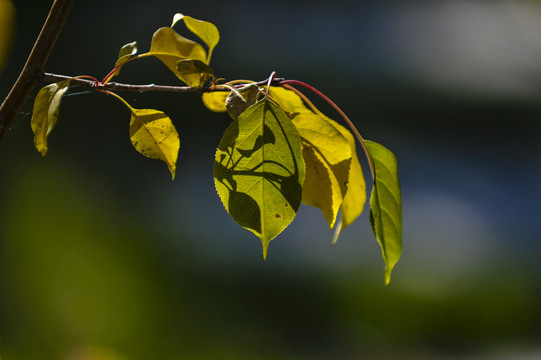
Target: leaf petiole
[[119, 98]]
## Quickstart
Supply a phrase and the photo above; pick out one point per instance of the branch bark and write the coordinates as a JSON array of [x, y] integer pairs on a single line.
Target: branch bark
[[33, 69], [51, 78]]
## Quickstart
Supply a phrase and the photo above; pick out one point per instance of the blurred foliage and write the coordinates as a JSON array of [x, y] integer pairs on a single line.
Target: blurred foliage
[[7, 17], [79, 273]]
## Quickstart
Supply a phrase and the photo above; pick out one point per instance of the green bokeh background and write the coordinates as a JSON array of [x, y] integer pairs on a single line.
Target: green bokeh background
[[103, 257]]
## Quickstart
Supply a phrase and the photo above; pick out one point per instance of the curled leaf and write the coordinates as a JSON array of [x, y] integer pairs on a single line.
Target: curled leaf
[[127, 51], [386, 205], [355, 198], [124, 55], [259, 171], [153, 134], [45, 113], [170, 48], [206, 31], [241, 99], [215, 100], [327, 154]]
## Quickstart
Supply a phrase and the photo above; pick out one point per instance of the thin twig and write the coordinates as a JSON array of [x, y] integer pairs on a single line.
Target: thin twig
[[50, 78], [28, 79]]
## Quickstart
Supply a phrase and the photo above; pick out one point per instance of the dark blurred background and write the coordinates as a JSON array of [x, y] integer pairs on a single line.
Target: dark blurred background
[[103, 257]]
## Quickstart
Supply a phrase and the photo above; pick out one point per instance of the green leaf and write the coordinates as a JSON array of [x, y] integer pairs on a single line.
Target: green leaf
[[124, 55], [127, 51], [386, 205], [153, 134], [45, 113], [241, 99], [215, 100], [327, 154], [170, 48], [187, 67], [259, 171], [206, 31]]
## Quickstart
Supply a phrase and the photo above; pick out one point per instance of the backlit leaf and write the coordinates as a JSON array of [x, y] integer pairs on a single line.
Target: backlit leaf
[[259, 171], [170, 47], [353, 204], [215, 100], [327, 154], [206, 31], [386, 205], [153, 134], [45, 113]]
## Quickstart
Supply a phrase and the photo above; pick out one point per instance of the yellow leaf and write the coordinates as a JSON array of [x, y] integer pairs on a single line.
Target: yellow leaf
[[206, 31], [355, 199], [215, 101], [170, 48], [334, 154], [320, 189], [153, 134], [45, 113], [326, 151]]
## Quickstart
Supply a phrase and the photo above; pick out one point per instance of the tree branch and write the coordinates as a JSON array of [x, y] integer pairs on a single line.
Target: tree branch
[[29, 77], [50, 78]]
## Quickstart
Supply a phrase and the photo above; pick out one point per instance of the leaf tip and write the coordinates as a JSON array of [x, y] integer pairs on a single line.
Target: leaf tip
[[337, 231], [388, 270], [176, 18], [265, 250], [387, 277]]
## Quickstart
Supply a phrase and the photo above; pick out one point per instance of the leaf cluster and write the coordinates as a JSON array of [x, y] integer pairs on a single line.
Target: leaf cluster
[[278, 151]]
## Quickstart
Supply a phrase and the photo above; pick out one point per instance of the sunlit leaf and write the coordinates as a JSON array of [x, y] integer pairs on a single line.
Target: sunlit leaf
[[386, 205], [259, 171], [7, 13], [153, 134], [45, 113], [320, 187], [170, 48], [327, 154], [241, 99], [355, 198], [206, 31], [215, 100]]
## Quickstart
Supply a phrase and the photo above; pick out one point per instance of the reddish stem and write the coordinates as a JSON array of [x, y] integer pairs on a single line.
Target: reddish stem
[[96, 82], [109, 75], [337, 108], [271, 78]]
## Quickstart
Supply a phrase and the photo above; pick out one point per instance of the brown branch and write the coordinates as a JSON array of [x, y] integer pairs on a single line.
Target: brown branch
[[29, 77], [50, 78]]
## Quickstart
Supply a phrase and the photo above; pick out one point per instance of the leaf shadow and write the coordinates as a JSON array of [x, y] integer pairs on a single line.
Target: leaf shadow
[[244, 209]]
